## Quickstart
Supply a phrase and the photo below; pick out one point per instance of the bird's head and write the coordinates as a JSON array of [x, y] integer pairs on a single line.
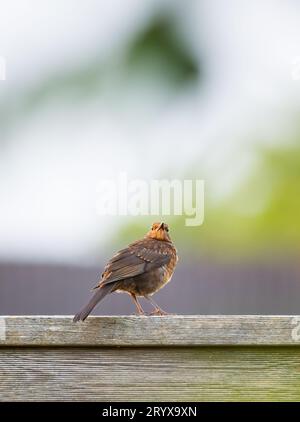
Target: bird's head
[[159, 231]]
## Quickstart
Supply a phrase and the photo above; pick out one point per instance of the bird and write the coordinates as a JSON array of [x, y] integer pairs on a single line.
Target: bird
[[140, 270]]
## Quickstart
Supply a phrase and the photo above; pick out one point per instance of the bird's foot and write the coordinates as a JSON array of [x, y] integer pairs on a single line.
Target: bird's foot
[[159, 311]]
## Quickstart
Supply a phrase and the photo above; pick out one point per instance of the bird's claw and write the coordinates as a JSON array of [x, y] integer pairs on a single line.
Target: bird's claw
[[158, 311]]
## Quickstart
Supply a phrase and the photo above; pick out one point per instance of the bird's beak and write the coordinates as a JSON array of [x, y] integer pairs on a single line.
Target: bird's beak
[[161, 226]]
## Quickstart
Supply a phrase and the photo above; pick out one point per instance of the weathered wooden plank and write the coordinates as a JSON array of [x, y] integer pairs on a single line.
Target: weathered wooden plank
[[150, 331], [150, 374]]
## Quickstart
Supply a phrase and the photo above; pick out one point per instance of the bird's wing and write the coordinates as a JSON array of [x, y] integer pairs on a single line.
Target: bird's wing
[[138, 258]]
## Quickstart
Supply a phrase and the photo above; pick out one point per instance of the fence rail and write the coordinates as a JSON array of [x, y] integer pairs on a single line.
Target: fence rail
[[172, 358]]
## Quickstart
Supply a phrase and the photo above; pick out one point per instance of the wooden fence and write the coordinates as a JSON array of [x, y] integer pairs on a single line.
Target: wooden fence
[[172, 358]]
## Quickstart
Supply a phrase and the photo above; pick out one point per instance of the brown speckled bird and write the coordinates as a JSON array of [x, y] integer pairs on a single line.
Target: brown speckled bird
[[141, 269]]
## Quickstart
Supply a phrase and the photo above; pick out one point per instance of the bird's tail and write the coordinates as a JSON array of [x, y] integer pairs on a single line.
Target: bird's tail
[[99, 295]]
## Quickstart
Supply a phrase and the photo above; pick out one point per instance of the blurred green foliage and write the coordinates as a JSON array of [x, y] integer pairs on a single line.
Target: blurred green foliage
[[159, 48], [260, 218], [157, 52]]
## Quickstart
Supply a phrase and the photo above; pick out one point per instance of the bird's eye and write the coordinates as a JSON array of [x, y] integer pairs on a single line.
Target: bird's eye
[[167, 229]]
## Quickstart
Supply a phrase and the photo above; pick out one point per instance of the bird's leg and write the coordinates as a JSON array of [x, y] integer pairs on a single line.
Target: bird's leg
[[157, 309], [139, 308]]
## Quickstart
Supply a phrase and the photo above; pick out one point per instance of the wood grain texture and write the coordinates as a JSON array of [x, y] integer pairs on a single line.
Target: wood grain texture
[[150, 331], [150, 374]]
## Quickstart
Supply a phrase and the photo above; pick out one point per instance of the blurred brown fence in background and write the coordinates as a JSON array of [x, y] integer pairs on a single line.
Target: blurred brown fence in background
[[204, 288]]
